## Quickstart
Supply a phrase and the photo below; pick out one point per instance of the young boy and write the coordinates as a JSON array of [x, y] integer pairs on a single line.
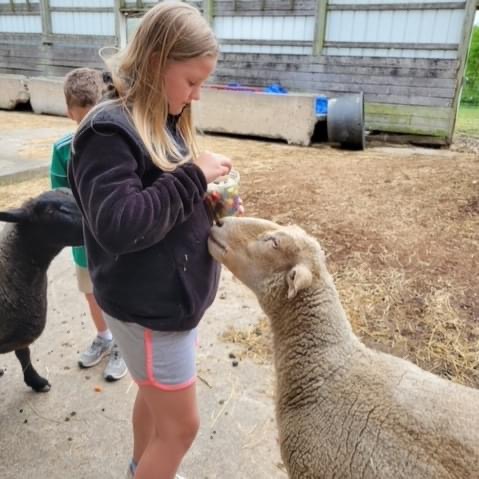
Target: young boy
[[83, 88]]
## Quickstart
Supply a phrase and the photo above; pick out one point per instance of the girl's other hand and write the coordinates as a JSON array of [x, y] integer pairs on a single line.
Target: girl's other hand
[[240, 208], [213, 165]]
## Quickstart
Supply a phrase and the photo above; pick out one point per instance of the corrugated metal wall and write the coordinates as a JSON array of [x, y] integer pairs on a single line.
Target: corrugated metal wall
[[406, 56], [394, 32], [20, 23], [77, 22], [287, 35], [30, 22]]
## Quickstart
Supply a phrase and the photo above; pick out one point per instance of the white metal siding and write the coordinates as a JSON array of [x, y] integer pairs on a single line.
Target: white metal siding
[[18, 1], [79, 23], [372, 2], [440, 26], [390, 52], [263, 29], [20, 23], [82, 3]]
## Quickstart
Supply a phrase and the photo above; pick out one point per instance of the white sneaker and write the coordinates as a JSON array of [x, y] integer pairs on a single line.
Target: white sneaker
[[130, 475], [116, 367], [93, 355]]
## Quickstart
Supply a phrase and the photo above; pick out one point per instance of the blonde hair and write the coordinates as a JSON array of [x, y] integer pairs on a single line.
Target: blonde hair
[[170, 31], [83, 87]]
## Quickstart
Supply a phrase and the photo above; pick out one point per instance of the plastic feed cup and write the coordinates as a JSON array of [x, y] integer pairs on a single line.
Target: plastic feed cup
[[224, 194]]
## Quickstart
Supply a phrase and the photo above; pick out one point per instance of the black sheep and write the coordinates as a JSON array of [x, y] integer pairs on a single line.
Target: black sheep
[[37, 232]]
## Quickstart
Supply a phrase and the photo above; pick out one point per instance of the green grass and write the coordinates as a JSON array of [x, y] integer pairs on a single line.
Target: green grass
[[468, 120], [470, 92]]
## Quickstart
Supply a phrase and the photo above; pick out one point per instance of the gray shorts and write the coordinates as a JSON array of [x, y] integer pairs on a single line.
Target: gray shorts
[[161, 359]]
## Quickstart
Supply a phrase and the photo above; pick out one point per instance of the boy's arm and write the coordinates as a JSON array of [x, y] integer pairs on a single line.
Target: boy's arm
[[58, 170]]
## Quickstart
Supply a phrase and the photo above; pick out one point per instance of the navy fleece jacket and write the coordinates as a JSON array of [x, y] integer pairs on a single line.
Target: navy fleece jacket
[[145, 230]]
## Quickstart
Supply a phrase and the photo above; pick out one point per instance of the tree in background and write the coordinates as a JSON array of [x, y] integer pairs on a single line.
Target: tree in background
[[470, 92]]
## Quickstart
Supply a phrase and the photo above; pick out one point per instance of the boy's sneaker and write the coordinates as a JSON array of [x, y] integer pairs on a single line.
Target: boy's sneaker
[[116, 367], [130, 473], [93, 355]]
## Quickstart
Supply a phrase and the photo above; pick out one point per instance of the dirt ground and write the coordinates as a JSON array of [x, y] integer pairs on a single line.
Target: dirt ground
[[400, 226]]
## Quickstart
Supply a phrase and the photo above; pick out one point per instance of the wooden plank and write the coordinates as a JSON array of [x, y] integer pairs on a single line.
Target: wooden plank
[[397, 6], [60, 52], [395, 75], [288, 78], [392, 45], [439, 130], [44, 61], [20, 39], [82, 9], [38, 69], [413, 123], [355, 71], [261, 13], [411, 100], [426, 113], [80, 40], [22, 71], [282, 43], [264, 7], [426, 63], [19, 9], [405, 139], [334, 90], [40, 59]]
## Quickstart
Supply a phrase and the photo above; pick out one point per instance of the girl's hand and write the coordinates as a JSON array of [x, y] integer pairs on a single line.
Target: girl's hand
[[213, 165], [240, 211]]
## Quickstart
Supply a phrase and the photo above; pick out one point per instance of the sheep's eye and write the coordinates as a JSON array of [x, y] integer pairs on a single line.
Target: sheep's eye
[[48, 211], [274, 241]]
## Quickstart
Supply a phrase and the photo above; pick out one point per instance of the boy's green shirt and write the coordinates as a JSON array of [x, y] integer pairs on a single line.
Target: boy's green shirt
[[59, 178]]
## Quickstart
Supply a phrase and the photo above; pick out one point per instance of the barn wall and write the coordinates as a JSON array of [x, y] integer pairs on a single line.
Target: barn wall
[[410, 75], [413, 96], [411, 79], [37, 44]]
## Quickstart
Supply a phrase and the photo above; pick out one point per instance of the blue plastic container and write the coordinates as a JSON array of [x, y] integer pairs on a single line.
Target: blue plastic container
[[321, 105]]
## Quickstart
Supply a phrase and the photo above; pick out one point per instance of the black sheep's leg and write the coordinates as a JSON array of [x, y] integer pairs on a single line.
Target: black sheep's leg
[[30, 376]]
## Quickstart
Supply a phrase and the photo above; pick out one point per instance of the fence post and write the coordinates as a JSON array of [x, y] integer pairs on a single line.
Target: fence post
[[320, 27], [208, 9], [46, 21]]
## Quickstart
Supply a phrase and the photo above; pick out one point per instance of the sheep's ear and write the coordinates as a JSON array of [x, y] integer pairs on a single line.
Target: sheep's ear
[[299, 277], [16, 215]]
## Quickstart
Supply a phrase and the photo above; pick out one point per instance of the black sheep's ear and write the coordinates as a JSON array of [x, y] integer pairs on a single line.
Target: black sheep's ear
[[17, 215]]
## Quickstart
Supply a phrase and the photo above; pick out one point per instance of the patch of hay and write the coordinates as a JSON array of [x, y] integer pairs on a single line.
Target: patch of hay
[[13, 195], [256, 342]]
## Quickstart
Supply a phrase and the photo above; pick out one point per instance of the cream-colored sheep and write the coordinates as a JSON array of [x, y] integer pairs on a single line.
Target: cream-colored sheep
[[344, 410]]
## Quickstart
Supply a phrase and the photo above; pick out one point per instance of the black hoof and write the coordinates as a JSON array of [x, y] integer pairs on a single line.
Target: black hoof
[[40, 385]]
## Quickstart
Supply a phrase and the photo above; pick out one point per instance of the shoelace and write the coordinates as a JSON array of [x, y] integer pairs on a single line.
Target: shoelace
[[97, 344]]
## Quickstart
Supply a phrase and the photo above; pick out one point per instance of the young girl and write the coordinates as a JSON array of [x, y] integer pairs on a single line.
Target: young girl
[[140, 182]]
